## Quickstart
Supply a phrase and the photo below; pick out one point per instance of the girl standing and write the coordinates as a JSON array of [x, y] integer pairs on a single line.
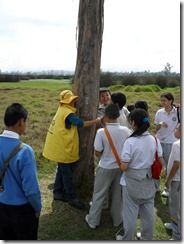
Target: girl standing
[[166, 120], [137, 184]]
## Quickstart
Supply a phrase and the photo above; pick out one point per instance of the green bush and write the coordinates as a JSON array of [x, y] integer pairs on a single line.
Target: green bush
[[116, 87]]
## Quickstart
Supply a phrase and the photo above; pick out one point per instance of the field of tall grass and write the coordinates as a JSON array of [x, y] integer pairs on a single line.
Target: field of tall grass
[[58, 220]]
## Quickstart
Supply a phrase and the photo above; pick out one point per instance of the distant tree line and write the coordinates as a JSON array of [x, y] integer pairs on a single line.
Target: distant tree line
[[162, 79]]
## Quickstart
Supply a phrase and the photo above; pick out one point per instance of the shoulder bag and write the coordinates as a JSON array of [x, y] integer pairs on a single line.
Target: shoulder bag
[[156, 166]]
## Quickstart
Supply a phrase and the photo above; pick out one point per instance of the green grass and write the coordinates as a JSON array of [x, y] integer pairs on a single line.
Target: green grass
[[39, 83], [58, 220]]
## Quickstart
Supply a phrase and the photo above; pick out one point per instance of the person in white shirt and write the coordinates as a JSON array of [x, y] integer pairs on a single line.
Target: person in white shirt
[[108, 172], [137, 183], [119, 99], [173, 183], [166, 120]]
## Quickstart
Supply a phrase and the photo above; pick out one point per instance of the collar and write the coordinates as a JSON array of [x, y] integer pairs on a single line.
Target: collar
[[145, 133], [112, 124], [10, 134], [172, 111]]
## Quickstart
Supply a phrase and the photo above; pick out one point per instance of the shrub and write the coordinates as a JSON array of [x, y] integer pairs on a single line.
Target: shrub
[[116, 87]]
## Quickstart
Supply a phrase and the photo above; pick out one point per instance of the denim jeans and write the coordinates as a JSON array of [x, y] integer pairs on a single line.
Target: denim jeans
[[63, 182]]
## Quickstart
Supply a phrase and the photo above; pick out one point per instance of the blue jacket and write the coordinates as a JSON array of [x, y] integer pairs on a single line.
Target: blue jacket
[[20, 182]]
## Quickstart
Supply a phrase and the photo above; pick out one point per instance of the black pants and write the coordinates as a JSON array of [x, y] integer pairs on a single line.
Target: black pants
[[18, 222]]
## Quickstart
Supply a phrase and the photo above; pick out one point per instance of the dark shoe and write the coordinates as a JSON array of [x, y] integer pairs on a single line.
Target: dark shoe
[[63, 199], [77, 203]]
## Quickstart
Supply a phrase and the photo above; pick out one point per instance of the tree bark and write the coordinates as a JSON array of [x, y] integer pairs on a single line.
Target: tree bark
[[86, 83]]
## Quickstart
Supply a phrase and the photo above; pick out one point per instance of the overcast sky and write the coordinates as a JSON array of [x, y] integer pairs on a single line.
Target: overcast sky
[[138, 35]]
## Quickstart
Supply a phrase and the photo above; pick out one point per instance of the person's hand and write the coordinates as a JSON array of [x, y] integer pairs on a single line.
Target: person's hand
[[98, 122], [167, 184], [164, 124]]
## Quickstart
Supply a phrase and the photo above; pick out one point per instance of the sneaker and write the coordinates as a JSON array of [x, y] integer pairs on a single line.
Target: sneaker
[[138, 235], [119, 238], [87, 221], [168, 226], [63, 198], [76, 203], [165, 193]]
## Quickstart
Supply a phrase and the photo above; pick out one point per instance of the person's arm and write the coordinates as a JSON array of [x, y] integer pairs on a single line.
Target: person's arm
[[164, 124], [175, 167], [33, 199], [97, 153], [123, 166], [75, 120], [89, 123], [161, 160]]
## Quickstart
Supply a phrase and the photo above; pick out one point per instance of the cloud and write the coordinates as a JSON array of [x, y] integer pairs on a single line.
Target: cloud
[[138, 35]]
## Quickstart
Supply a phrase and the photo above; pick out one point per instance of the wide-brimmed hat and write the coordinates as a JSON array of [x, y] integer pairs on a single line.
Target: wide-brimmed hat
[[67, 96]]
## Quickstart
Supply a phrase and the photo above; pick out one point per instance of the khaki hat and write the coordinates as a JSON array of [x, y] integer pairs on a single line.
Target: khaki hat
[[67, 96]]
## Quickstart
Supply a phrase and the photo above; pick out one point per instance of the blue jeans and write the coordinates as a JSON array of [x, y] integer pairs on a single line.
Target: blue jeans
[[63, 182]]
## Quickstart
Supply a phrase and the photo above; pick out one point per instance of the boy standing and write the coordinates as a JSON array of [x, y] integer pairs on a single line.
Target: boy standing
[[108, 172], [173, 182], [20, 198]]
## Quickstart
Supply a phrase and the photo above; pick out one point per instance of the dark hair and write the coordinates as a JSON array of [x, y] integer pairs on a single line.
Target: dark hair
[[104, 90], [169, 97], [14, 113], [141, 120], [112, 111], [119, 98], [178, 113], [141, 104], [130, 107]]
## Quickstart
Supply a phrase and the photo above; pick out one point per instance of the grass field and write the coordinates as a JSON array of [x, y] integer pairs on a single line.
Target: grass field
[[58, 220]]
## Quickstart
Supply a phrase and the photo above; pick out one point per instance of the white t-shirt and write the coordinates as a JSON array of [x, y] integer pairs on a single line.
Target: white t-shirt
[[118, 134], [174, 156], [166, 135]]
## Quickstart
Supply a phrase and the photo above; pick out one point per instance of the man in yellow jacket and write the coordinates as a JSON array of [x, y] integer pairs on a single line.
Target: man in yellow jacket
[[62, 146]]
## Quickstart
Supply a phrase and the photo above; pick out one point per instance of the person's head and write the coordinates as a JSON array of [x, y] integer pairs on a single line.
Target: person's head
[[177, 131], [67, 97], [141, 104], [16, 116], [119, 98], [130, 107], [104, 96], [167, 99], [112, 111], [139, 120]]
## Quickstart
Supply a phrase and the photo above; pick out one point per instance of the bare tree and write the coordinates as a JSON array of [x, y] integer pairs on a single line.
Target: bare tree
[[86, 82]]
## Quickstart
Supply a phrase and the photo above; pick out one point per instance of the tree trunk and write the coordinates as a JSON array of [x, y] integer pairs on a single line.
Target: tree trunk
[[86, 84]]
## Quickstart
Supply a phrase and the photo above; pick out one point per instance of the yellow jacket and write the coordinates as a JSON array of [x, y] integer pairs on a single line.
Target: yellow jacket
[[62, 144]]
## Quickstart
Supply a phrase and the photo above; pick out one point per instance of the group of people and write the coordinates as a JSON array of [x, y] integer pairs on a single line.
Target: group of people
[[129, 132], [130, 181]]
